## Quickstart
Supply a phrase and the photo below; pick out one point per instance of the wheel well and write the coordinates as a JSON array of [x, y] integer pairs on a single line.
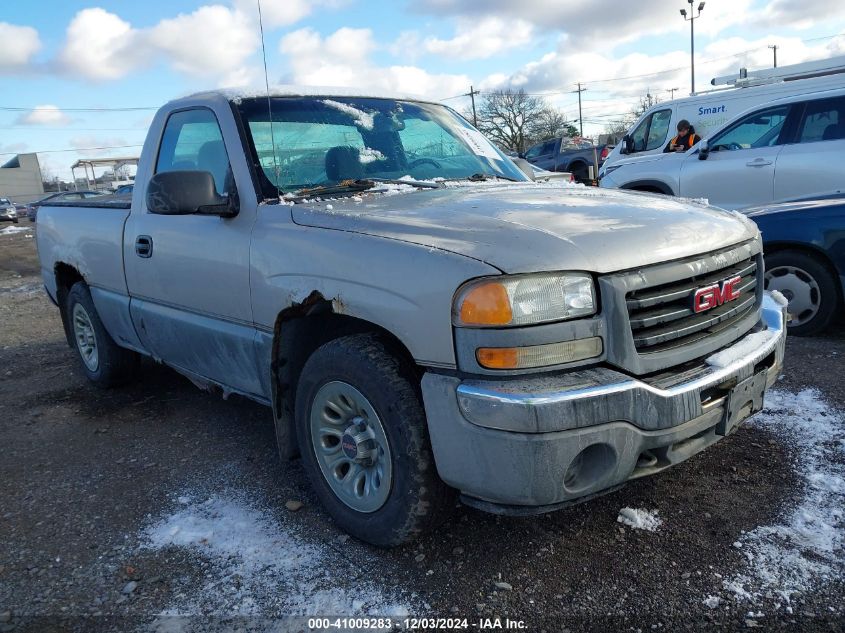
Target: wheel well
[[649, 186], [298, 332], [66, 276], [819, 255]]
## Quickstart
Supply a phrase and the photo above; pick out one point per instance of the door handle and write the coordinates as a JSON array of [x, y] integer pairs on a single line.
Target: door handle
[[144, 246], [759, 162]]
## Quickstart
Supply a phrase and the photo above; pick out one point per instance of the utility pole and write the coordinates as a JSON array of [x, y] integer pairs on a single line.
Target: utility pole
[[693, 16], [672, 91], [580, 118], [775, 48], [471, 94]]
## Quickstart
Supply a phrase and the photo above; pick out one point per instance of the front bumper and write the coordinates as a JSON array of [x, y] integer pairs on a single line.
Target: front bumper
[[542, 442]]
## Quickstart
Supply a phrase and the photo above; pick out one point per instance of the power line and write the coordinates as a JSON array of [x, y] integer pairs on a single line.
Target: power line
[[43, 109], [75, 149]]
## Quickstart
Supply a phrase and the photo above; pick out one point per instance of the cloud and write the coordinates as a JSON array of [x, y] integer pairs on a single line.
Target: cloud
[[343, 59], [480, 39], [43, 115], [636, 74], [18, 44], [276, 13], [596, 24], [213, 41], [99, 45], [87, 141], [798, 14]]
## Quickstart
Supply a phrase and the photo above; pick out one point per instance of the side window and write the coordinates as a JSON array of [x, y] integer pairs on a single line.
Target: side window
[[760, 129], [824, 120], [535, 151], [651, 132], [192, 141], [659, 129]]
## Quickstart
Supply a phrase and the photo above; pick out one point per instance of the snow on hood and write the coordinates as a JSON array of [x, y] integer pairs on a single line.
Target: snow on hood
[[531, 227]]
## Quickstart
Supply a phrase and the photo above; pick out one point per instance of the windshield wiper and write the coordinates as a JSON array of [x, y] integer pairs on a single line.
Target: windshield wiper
[[406, 181], [354, 186], [481, 177]]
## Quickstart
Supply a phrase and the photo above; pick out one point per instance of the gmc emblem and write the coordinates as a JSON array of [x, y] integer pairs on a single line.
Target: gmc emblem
[[711, 296]]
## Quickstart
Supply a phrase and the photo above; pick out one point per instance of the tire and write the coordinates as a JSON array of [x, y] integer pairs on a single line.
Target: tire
[[402, 496], [809, 286], [109, 365], [580, 171]]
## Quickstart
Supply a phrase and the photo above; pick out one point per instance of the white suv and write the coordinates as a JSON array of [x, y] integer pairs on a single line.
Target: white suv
[[788, 149]]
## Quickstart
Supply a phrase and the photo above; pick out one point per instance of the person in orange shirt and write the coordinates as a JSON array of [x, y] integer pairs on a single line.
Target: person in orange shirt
[[685, 139]]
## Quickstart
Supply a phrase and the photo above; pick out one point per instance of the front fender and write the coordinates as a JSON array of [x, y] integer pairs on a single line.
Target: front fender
[[403, 288]]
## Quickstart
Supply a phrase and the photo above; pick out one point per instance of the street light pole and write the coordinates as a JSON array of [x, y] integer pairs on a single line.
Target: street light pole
[[691, 18]]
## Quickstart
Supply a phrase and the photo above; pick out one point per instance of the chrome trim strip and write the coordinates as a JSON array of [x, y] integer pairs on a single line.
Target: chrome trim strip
[[772, 315]]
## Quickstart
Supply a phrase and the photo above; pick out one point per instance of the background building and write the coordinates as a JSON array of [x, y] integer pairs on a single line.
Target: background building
[[20, 178]]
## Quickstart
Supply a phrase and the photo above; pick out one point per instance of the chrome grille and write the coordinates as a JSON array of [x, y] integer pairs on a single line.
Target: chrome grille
[[662, 317]]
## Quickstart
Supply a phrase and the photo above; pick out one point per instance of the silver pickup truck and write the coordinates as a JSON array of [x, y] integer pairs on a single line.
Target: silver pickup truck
[[424, 320]]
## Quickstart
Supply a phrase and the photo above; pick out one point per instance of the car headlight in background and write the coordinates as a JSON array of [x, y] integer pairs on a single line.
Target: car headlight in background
[[524, 300]]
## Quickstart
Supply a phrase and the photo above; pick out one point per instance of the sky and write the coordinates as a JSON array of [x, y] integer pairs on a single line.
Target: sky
[[77, 75]]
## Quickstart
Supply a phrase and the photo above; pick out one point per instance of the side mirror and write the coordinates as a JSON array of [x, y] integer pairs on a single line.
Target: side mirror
[[525, 167], [188, 193], [703, 150], [627, 145]]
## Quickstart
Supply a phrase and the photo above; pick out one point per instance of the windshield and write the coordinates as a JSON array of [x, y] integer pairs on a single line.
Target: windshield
[[326, 141]]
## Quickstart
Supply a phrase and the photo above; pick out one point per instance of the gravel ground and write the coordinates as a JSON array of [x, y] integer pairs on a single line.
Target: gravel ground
[[158, 507]]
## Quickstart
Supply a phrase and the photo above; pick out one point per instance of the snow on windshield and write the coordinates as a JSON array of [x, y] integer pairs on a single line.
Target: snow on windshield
[[362, 119]]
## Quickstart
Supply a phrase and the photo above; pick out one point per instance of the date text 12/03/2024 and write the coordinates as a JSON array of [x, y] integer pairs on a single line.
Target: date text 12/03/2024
[[431, 624]]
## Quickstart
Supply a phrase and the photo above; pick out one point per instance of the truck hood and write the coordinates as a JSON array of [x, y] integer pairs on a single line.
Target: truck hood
[[532, 227], [642, 159]]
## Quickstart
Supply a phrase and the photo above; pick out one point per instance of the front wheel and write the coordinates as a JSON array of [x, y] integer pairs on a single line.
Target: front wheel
[[364, 442], [809, 287]]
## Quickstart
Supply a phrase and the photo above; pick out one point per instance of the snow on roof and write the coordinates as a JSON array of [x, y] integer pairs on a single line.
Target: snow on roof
[[284, 90]]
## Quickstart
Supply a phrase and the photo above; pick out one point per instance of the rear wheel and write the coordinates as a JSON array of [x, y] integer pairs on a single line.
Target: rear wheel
[[104, 362], [364, 442], [809, 287], [580, 171]]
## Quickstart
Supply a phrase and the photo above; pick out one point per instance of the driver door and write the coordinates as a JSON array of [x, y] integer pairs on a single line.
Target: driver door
[[739, 170]]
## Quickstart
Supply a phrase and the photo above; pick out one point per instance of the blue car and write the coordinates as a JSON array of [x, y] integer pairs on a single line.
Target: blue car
[[804, 244]]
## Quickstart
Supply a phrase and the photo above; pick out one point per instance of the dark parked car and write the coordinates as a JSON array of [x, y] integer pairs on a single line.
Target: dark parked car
[[804, 243], [61, 196], [124, 190], [574, 155]]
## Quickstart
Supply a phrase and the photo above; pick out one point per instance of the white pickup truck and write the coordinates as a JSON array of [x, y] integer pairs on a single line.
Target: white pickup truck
[[424, 320]]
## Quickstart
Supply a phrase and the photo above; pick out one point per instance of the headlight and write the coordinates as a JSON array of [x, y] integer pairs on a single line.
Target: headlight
[[524, 300]]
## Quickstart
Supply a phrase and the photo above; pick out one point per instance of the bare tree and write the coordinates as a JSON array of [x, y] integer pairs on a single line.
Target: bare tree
[[551, 123], [506, 117]]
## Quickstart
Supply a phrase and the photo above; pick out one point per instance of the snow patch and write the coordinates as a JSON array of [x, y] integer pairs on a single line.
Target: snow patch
[[9, 230], [640, 519], [779, 298], [806, 548], [712, 601], [369, 155], [259, 566], [748, 345], [362, 119]]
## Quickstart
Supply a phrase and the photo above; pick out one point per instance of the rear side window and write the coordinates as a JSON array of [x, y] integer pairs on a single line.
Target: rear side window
[[823, 120], [192, 141], [651, 132]]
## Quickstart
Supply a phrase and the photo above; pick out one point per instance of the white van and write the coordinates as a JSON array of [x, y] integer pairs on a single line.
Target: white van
[[708, 111], [786, 149]]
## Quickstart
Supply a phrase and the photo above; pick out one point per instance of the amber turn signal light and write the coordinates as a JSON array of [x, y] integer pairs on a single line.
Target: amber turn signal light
[[486, 304]]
